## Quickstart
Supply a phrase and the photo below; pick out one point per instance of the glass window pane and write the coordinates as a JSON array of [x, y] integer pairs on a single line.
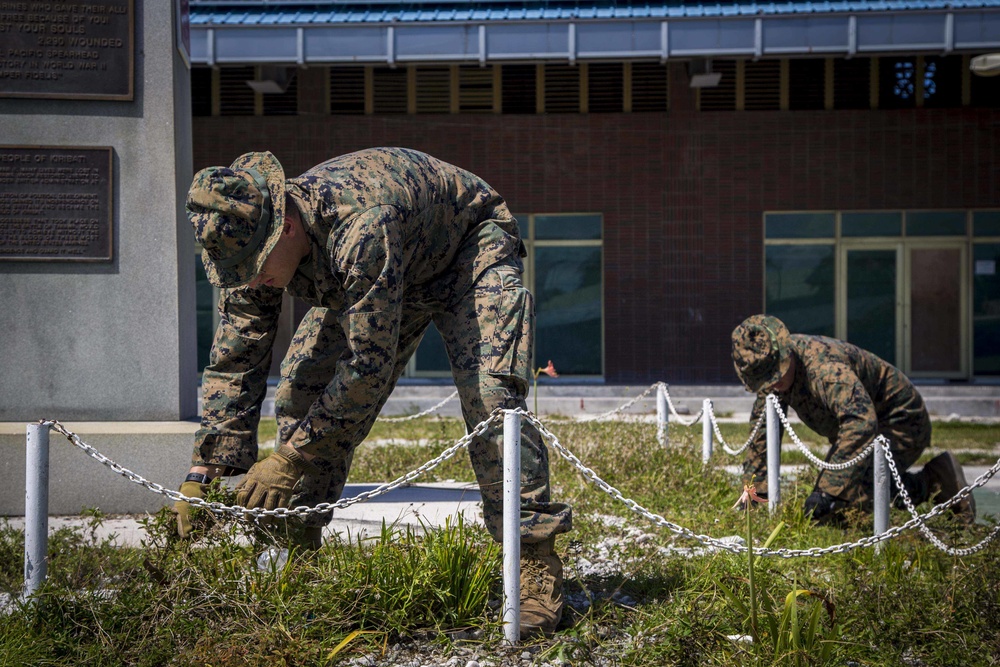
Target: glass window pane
[[986, 309], [205, 304], [871, 301], [568, 309], [431, 354], [799, 225], [986, 223], [562, 227], [799, 287], [871, 224], [522, 225], [935, 223]]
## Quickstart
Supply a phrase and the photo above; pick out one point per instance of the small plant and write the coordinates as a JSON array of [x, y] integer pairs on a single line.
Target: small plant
[[549, 370], [795, 637]]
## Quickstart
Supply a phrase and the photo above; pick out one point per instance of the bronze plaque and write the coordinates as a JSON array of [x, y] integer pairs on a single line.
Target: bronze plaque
[[55, 203], [68, 49]]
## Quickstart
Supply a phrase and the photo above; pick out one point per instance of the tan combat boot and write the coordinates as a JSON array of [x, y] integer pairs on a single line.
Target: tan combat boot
[[945, 478], [541, 589]]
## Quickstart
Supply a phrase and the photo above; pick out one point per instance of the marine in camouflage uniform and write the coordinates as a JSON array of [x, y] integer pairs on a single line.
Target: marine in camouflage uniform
[[398, 240], [847, 395]]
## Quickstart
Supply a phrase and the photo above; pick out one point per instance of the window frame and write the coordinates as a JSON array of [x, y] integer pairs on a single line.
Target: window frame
[[904, 243]]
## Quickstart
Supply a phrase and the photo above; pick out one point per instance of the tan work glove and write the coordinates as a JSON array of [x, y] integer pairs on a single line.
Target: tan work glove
[[183, 509], [271, 482]]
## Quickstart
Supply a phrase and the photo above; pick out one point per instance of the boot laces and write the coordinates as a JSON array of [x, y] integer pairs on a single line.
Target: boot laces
[[535, 577]]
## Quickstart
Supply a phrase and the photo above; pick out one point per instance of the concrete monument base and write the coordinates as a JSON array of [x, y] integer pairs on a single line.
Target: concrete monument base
[[158, 451]]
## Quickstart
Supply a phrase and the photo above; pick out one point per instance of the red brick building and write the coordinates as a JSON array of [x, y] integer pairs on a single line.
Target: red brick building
[[853, 193]]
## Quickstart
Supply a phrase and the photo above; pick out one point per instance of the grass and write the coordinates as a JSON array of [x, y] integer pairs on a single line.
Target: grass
[[206, 604]]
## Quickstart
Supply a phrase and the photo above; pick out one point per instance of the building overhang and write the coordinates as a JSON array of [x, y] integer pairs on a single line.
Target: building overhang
[[462, 32]]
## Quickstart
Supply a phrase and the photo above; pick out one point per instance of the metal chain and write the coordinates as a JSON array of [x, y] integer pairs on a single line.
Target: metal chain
[[924, 528], [722, 441], [673, 410], [625, 406], [419, 414], [819, 463], [813, 552], [281, 512], [918, 521]]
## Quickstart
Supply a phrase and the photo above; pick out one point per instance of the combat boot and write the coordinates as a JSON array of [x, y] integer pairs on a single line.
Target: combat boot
[[541, 589], [945, 478], [312, 537]]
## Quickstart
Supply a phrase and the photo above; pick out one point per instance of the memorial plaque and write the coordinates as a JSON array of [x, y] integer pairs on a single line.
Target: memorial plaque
[[70, 49], [55, 203]]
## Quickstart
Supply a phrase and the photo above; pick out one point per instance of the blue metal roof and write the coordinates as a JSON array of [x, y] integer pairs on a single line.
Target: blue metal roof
[[277, 12], [481, 31]]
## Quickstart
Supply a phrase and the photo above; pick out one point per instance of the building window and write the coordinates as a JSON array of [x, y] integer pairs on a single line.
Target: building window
[[201, 91], [903, 284], [206, 312], [851, 83], [564, 270], [565, 273], [347, 90], [518, 89]]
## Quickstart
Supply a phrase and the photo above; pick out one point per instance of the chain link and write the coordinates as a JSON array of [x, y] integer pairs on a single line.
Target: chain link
[[722, 441], [819, 463], [419, 414], [924, 528], [673, 410], [917, 520], [813, 552], [625, 406], [281, 512]]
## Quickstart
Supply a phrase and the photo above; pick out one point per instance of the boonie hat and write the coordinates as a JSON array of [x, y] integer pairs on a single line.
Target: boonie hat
[[237, 213], [761, 349]]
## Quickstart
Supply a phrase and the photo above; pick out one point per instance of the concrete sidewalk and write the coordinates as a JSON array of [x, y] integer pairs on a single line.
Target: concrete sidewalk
[[415, 506]]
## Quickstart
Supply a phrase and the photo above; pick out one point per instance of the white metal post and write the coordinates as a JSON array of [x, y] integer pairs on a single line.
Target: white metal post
[[36, 508], [511, 526], [882, 492], [773, 455], [706, 430], [662, 416]]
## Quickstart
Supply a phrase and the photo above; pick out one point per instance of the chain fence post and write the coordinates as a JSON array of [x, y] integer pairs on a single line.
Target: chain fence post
[[511, 526], [36, 508], [706, 430], [882, 492], [773, 454], [662, 415]]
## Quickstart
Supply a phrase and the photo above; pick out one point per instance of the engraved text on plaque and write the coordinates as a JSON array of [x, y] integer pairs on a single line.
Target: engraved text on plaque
[[55, 203]]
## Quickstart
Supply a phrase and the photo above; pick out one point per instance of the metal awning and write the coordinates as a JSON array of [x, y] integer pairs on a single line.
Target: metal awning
[[487, 31]]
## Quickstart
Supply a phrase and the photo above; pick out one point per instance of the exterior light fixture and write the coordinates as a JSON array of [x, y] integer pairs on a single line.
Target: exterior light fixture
[[271, 79], [701, 75], [986, 65]]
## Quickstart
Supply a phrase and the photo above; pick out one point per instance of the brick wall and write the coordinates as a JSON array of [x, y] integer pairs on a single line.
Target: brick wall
[[682, 195]]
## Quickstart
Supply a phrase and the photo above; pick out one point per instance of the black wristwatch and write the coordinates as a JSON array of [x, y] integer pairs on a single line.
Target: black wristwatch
[[198, 477]]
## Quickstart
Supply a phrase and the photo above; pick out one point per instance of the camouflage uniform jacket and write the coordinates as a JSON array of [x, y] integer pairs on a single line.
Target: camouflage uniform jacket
[[847, 395], [389, 227]]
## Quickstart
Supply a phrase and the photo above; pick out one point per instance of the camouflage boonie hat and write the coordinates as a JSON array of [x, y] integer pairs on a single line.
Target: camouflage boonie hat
[[237, 213], [761, 348]]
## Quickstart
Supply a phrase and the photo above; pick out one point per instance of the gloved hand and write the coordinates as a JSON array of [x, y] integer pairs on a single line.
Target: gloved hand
[[271, 482], [183, 509], [822, 506]]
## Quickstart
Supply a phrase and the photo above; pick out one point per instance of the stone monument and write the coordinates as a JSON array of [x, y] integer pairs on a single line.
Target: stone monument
[[96, 254]]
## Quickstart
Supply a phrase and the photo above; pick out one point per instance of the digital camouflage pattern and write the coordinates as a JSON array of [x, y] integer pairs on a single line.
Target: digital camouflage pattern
[[760, 351], [849, 396], [233, 210], [400, 240]]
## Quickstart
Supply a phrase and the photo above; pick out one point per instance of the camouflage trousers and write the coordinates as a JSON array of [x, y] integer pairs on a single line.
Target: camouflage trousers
[[487, 335], [856, 484]]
